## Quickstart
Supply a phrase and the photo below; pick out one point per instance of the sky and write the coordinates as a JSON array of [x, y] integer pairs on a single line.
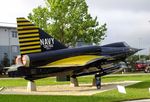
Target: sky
[[127, 20]]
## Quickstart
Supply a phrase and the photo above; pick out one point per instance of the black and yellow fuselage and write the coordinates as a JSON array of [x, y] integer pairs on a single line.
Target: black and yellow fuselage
[[41, 55], [74, 61]]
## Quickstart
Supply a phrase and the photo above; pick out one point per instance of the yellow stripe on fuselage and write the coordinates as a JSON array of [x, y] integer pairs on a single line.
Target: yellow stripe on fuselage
[[28, 39], [30, 47], [73, 61], [24, 23], [29, 43], [31, 51], [27, 27], [28, 35], [28, 31], [21, 19]]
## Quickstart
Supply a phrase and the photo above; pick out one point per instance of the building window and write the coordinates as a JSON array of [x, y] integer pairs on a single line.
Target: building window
[[14, 49], [14, 34]]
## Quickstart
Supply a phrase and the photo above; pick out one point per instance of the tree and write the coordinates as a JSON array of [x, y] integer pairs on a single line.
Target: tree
[[68, 21], [40, 17]]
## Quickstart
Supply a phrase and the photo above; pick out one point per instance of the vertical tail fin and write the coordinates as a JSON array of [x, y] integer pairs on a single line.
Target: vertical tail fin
[[33, 39]]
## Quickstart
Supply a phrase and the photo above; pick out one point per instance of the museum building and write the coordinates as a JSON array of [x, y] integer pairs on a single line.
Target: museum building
[[9, 45]]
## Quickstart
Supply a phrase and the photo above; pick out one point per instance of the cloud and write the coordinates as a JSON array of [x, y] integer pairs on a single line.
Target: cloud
[[10, 9], [127, 20], [134, 5]]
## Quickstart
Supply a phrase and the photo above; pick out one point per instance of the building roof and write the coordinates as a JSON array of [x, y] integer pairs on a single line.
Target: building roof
[[8, 25], [11, 27]]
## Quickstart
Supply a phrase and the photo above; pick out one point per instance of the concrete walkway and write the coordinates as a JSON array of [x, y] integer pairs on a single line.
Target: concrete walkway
[[83, 89], [143, 100]]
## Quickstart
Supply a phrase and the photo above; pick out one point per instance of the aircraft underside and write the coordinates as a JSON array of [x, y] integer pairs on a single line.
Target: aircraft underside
[[37, 73]]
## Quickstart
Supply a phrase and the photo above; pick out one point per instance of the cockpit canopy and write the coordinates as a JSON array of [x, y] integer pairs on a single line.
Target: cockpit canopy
[[118, 44]]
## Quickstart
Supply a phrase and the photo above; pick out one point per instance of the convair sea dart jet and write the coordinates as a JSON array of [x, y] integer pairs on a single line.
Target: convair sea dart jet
[[42, 56]]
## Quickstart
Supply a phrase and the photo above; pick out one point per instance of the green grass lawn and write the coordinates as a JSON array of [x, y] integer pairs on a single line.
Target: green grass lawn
[[87, 79], [136, 91], [23, 82]]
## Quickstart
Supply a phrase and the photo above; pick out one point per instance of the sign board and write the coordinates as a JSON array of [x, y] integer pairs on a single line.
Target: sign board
[[121, 89]]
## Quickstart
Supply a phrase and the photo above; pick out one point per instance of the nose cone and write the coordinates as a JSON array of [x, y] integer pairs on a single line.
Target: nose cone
[[134, 50], [139, 49]]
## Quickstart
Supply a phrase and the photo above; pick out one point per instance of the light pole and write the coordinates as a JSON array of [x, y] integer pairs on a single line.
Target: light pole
[[149, 54], [139, 48], [10, 54], [149, 48]]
